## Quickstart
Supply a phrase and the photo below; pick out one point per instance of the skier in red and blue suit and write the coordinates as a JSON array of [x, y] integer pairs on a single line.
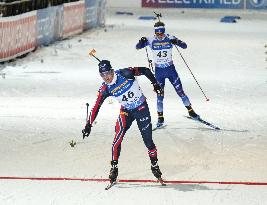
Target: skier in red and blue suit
[[122, 85]]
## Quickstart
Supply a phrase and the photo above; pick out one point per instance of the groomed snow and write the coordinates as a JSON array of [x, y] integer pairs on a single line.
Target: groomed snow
[[42, 108]]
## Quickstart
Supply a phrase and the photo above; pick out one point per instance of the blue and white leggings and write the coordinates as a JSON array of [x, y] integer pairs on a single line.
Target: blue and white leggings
[[170, 73]]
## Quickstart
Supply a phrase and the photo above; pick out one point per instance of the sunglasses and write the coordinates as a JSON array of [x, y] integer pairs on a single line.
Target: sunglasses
[[159, 33], [104, 74]]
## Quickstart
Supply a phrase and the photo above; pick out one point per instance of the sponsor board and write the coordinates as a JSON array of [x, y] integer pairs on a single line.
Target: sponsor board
[[224, 4], [18, 35], [256, 4], [73, 18]]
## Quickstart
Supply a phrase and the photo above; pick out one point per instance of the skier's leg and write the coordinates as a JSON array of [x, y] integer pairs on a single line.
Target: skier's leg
[[143, 119], [177, 84], [161, 80], [123, 123]]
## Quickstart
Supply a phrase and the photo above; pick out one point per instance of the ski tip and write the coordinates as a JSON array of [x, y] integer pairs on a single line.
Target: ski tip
[[107, 188], [110, 185], [160, 180], [157, 128], [163, 184]]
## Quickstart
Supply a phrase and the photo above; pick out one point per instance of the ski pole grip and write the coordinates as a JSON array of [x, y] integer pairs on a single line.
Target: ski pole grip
[[92, 52]]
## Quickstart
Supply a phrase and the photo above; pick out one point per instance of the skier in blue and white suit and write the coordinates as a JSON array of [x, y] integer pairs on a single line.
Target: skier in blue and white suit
[[161, 45], [122, 85]]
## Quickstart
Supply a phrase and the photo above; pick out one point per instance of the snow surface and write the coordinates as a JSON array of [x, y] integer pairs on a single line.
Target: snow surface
[[42, 108]]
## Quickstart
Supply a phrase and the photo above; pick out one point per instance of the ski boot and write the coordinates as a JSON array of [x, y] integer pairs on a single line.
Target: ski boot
[[113, 171], [155, 169], [160, 122], [192, 113]]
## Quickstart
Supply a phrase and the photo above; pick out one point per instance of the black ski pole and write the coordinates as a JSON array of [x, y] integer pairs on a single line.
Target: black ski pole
[[149, 61], [87, 105], [92, 53], [207, 99], [85, 134]]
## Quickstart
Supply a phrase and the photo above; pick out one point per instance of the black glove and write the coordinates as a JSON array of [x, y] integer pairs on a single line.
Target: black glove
[[178, 42], [86, 131], [143, 40], [158, 89], [174, 41]]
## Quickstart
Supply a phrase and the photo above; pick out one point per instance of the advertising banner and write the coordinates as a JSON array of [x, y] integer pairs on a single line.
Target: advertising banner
[[49, 24], [22, 33], [95, 11], [73, 18], [18, 35], [101, 11], [256, 4], [45, 26], [224, 4], [90, 13]]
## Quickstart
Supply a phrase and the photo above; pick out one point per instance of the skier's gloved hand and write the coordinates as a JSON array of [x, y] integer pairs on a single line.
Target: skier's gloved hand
[[158, 89], [143, 40], [174, 41], [179, 43], [86, 131], [182, 44]]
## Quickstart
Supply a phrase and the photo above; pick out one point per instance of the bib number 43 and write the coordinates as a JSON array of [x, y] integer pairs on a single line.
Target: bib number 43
[[162, 54]]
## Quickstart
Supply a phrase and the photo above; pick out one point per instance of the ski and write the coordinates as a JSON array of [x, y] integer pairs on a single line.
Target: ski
[[110, 185], [204, 122], [157, 128], [160, 180]]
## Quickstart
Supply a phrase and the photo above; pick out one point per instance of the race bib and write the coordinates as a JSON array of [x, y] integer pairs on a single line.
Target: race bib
[[131, 98]]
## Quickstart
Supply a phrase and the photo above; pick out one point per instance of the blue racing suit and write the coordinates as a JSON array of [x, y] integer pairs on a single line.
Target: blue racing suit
[[164, 67]]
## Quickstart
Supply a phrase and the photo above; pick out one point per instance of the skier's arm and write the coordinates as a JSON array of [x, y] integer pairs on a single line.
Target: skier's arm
[[101, 96], [146, 72], [137, 71], [143, 42], [178, 42]]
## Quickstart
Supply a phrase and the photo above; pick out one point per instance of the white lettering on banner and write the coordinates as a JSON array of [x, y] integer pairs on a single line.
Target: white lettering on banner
[[147, 1], [236, 2], [208, 2], [193, 1], [229, 2]]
